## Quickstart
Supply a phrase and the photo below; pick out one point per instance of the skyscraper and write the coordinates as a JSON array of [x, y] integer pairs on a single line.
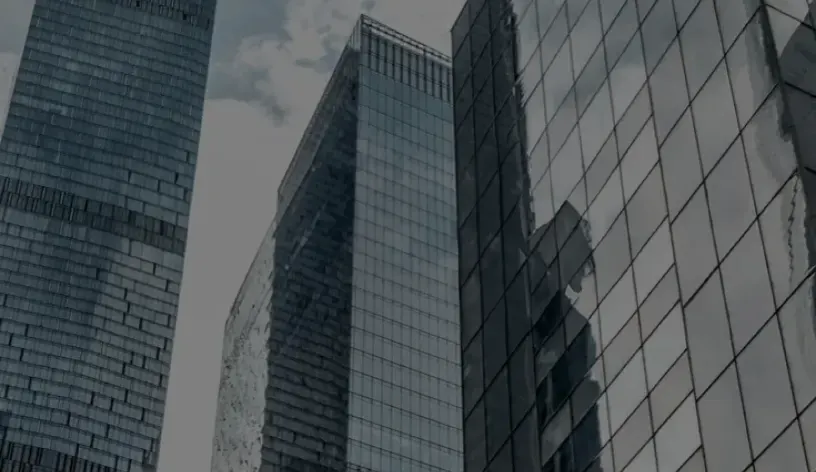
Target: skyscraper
[[357, 277], [97, 161], [635, 178]]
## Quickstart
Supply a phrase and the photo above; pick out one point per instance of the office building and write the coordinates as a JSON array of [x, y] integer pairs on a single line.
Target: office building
[[634, 182], [363, 370], [97, 160]]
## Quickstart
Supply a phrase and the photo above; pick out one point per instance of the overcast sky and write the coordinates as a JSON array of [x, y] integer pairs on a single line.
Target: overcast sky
[[270, 62]]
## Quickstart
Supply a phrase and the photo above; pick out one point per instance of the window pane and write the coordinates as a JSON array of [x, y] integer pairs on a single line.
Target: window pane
[[723, 425]]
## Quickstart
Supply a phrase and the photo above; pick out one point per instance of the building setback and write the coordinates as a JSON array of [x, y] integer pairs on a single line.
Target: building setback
[[97, 160], [634, 183], [363, 370]]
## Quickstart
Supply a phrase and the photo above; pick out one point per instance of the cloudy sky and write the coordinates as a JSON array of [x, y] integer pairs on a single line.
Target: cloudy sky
[[270, 62]]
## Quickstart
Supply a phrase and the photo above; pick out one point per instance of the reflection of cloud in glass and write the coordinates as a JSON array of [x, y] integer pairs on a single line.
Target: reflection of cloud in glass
[[561, 256]]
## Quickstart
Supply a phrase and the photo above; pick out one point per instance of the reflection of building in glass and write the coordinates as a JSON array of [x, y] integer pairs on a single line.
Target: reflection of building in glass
[[97, 161], [673, 132], [363, 370]]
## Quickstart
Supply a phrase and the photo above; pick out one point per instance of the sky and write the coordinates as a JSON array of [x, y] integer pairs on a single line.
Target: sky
[[270, 62]]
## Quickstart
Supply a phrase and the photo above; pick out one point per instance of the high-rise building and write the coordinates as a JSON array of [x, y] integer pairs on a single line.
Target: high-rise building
[[636, 189], [357, 278], [97, 161]]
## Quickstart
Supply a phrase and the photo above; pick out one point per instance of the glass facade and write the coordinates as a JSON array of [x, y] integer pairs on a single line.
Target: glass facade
[[363, 351], [634, 183], [97, 160]]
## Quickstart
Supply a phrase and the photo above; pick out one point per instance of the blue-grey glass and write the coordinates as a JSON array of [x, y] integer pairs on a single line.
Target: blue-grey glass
[[97, 161], [363, 369], [670, 179]]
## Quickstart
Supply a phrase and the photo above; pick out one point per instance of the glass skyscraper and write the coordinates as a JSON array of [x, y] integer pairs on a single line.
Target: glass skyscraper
[[97, 161], [358, 279], [635, 183]]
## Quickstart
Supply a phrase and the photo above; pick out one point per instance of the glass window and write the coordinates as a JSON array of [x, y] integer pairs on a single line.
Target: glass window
[[522, 381], [497, 416], [626, 392], [472, 373], [611, 257], [590, 80], [654, 260], [663, 348], [466, 191], [504, 459], [670, 391], [709, 338], [681, 166], [475, 440], [567, 167], [527, 31], [609, 11], [495, 343], [552, 22], [791, 40], [487, 160], [796, 319], [770, 154], [586, 36], [730, 198], [645, 460], [808, 423], [765, 387], [596, 124], [801, 106], [489, 214], [646, 211], [621, 349], [700, 39], [620, 33], [657, 303], [723, 425], [751, 77], [693, 244], [471, 309], [512, 180], [632, 436], [468, 245], [543, 208], [714, 118], [747, 288], [628, 76], [606, 208], [786, 453], [658, 32], [518, 311], [563, 123], [679, 437], [514, 234], [558, 81], [601, 168], [630, 125], [669, 92], [783, 232], [525, 445], [492, 274], [639, 160], [695, 464], [536, 122]]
